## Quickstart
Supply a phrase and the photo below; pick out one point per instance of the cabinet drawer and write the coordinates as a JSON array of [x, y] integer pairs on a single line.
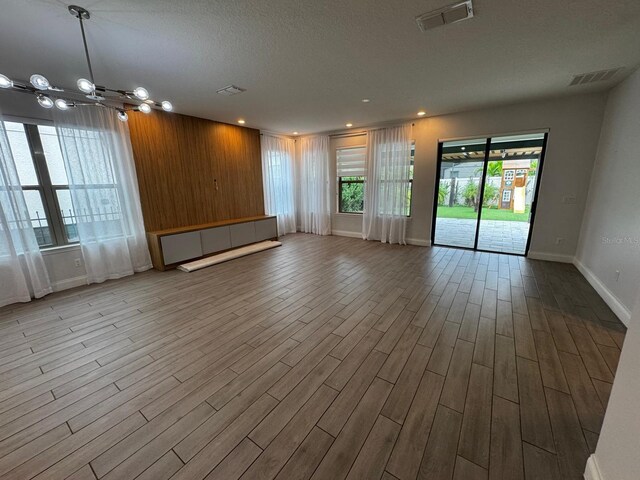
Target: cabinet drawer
[[215, 239], [181, 246], [266, 229], [242, 234]]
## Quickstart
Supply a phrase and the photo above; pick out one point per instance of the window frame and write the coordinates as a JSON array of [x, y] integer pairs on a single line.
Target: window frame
[[45, 188], [341, 181]]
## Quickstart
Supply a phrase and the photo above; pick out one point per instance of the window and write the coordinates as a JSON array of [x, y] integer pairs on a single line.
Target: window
[[352, 171], [506, 196], [509, 175], [43, 178]]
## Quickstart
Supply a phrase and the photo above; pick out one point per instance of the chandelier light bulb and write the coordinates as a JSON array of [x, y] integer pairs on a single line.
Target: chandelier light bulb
[[62, 104], [5, 82], [141, 93], [166, 106], [39, 81], [122, 115], [45, 101], [85, 86], [144, 108]]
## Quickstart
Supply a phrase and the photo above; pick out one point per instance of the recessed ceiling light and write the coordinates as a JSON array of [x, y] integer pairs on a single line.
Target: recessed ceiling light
[[365, 100], [349, 125], [422, 113], [463, 148], [241, 122], [295, 133]]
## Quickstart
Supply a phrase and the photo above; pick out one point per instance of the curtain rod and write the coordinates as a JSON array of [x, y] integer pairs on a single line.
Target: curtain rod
[[350, 134], [364, 132]]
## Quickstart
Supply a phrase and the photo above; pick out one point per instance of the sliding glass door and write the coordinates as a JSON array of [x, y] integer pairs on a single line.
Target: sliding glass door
[[486, 192], [460, 174]]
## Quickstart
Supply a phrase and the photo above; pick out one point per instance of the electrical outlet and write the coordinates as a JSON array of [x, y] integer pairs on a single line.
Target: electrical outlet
[[617, 275], [559, 240], [78, 262]]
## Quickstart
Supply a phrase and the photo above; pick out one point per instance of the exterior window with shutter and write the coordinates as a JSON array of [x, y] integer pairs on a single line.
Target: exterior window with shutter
[[351, 172]]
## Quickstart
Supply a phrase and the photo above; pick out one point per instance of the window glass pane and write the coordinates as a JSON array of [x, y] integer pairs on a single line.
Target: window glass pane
[[351, 195], [21, 153], [68, 215], [53, 155], [38, 217]]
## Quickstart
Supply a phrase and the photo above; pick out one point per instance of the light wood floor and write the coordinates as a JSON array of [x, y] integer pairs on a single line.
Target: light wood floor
[[326, 358]]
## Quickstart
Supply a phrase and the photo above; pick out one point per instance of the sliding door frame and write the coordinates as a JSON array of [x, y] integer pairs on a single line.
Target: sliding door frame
[[487, 152]]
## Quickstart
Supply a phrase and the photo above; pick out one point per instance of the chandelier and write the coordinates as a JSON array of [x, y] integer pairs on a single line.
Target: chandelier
[[49, 96]]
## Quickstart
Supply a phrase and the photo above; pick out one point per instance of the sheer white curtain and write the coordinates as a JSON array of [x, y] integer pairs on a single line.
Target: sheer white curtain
[[22, 270], [97, 154], [315, 207], [386, 203], [278, 181]]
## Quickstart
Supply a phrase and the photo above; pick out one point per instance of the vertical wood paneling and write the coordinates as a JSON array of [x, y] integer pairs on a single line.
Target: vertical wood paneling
[[178, 158]]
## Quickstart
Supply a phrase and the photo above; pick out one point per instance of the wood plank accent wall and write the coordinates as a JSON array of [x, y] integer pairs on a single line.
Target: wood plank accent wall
[[178, 158]]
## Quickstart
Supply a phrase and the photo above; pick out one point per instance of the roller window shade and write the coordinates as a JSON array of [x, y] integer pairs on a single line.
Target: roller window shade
[[352, 162]]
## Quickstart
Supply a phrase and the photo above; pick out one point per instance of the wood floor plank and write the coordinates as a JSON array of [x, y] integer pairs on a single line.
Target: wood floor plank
[[163, 469], [585, 398], [214, 452], [376, 450], [525, 346], [506, 444], [401, 396], [455, 385], [569, 439], [440, 453], [534, 416], [338, 460], [466, 470], [307, 457], [288, 439], [476, 423], [350, 396], [591, 356], [550, 366], [505, 379], [273, 423], [539, 464], [407, 453], [338, 357], [485, 343]]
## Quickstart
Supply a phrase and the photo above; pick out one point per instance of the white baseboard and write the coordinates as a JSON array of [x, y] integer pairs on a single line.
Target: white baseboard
[[419, 242], [550, 257], [411, 241], [592, 472], [346, 233], [621, 311], [69, 283]]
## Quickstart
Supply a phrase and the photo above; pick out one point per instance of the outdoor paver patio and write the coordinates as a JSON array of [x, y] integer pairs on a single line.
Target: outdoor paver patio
[[495, 235]]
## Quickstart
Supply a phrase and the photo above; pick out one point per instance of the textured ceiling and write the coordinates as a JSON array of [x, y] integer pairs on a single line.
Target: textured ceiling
[[307, 64]]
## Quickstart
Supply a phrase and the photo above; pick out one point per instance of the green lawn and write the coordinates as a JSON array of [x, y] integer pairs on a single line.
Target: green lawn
[[487, 214]]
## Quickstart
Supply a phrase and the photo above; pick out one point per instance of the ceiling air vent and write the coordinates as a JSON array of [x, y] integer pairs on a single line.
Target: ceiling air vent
[[231, 90], [446, 15], [593, 77]]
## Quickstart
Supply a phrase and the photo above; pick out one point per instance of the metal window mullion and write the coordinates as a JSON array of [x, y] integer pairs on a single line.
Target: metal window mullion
[[51, 206]]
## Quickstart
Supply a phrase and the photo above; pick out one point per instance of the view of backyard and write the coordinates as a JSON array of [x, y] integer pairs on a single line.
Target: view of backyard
[[488, 213]]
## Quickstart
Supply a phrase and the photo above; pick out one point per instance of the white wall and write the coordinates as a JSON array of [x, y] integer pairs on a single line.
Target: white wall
[[62, 268], [574, 127], [610, 236], [613, 212], [617, 453]]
